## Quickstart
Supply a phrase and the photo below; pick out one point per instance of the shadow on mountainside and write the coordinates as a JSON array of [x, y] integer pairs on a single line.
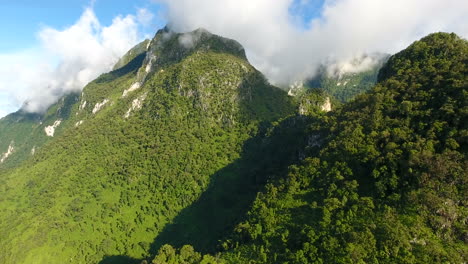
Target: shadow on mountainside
[[133, 65], [234, 188], [232, 191]]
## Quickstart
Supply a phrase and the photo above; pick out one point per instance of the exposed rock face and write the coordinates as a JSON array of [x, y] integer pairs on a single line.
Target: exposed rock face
[[327, 105], [137, 104], [132, 88], [83, 105], [8, 153], [99, 106], [50, 130]]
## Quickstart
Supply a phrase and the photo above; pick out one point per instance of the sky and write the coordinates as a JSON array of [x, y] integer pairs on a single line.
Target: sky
[[52, 47]]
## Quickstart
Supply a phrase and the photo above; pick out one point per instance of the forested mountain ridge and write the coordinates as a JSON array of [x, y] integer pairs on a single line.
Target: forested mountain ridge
[[185, 154], [22, 133], [145, 141], [384, 182], [389, 184]]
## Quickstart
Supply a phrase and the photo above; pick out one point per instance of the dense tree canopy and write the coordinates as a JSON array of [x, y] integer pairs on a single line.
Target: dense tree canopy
[[389, 185], [216, 167], [131, 161]]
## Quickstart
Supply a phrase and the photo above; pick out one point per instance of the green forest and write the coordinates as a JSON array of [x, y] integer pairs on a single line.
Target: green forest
[[206, 162], [388, 180]]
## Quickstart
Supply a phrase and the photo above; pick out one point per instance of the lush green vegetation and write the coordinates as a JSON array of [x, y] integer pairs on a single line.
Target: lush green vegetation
[[389, 183], [111, 184], [25, 132], [383, 178], [216, 167]]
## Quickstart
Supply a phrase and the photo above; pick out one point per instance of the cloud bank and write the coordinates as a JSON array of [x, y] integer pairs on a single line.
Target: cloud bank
[[287, 50], [68, 59]]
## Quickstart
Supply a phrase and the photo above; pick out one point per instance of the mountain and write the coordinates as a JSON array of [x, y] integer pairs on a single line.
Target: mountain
[[381, 179], [388, 182], [24, 133], [135, 149], [186, 154]]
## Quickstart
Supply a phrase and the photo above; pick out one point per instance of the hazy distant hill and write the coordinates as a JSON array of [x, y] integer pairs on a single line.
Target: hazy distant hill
[[344, 86]]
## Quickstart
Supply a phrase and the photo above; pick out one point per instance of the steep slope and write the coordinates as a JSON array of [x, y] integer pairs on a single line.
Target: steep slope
[[22, 133], [147, 140], [138, 50], [389, 183], [386, 182]]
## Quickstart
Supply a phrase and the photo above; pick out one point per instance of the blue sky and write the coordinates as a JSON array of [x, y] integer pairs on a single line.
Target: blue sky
[[20, 20]]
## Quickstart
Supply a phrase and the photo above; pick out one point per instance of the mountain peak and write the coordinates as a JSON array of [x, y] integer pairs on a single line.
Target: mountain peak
[[168, 47], [439, 51]]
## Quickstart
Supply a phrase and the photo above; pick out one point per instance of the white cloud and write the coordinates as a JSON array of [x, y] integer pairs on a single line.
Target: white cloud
[[346, 29], [67, 59]]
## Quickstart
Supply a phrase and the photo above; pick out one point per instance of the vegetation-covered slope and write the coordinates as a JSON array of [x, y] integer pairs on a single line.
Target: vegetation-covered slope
[[383, 178], [176, 148], [22, 133], [145, 143], [389, 184]]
